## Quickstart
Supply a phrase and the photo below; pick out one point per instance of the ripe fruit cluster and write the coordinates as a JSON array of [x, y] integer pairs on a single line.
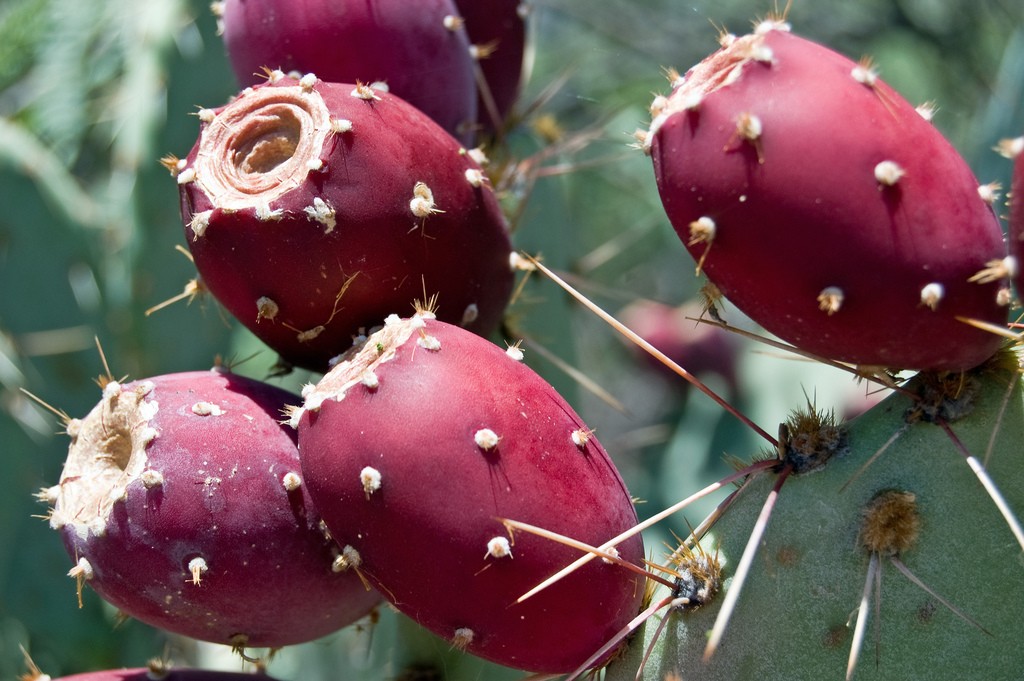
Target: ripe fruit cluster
[[316, 205], [340, 186]]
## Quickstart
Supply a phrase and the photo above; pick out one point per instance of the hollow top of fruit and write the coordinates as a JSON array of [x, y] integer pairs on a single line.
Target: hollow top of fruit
[[108, 451], [262, 145], [718, 70], [356, 366]]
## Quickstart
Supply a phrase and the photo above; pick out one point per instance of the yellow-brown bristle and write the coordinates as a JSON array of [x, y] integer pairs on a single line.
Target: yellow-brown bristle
[[891, 523]]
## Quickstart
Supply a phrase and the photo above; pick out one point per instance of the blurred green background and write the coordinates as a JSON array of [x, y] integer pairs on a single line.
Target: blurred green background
[[93, 92]]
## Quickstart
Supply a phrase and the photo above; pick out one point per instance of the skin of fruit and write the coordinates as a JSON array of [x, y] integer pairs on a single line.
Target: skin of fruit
[[840, 219], [395, 210], [699, 348], [183, 495], [417, 465], [498, 30], [1016, 223], [415, 49]]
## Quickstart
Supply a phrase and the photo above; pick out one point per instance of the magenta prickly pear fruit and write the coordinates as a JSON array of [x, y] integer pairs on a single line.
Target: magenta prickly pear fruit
[[419, 49], [699, 348], [497, 29], [826, 207], [146, 674], [182, 503], [418, 443], [313, 210], [1014, 149]]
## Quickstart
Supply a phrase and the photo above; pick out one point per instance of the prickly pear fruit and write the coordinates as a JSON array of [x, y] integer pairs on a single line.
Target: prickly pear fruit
[[700, 348], [826, 207], [182, 503], [497, 29], [1014, 148], [916, 509], [421, 51], [313, 210], [145, 674], [418, 443]]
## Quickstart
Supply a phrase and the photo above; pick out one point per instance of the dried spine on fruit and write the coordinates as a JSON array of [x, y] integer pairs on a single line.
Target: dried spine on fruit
[[322, 212], [830, 300], [348, 559]]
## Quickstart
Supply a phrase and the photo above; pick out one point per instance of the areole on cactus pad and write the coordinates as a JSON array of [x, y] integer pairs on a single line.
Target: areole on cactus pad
[[182, 503], [420, 50], [313, 210], [826, 207], [416, 446], [902, 511]]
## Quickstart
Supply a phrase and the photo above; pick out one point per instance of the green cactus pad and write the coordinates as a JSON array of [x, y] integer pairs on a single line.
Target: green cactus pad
[[796, 613]]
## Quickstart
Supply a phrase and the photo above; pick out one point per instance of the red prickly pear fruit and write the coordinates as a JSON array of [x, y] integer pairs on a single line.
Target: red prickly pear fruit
[[419, 49], [418, 442], [497, 29], [313, 210], [146, 674], [826, 207], [1014, 149], [182, 504], [699, 348]]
